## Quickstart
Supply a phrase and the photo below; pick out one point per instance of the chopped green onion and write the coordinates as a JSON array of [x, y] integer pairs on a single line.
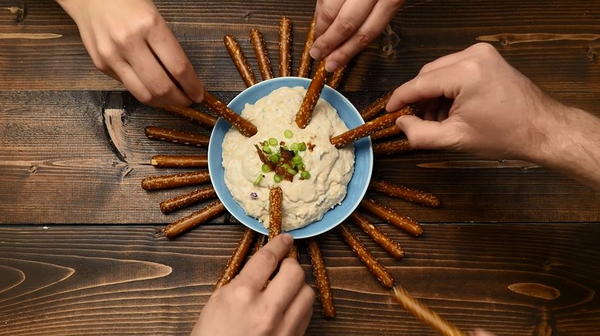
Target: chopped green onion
[[273, 142], [292, 171], [265, 168], [297, 159], [300, 166], [295, 147], [302, 146], [305, 175], [274, 158], [288, 134], [277, 178], [258, 179], [266, 149], [285, 166]]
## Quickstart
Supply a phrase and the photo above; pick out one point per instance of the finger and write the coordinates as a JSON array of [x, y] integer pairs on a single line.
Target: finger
[[326, 11], [171, 55], [481, 332], [381, 14], [443, 82], [260, 267], [154, 76], [133, 83], [297, 317], [285, 285], [350, 17], [426, 134]]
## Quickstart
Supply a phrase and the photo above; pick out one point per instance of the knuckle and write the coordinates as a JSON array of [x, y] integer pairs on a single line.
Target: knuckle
[[180, 69], [145, 97], [106, 50], [473, 68], [124, 37], [148, 21], [345, 26], [162, 90], [485, 49], [241, 294], [268, 258], [364, 39]]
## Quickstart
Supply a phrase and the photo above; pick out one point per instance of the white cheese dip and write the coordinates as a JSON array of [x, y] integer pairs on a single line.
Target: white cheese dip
[[304, 201]]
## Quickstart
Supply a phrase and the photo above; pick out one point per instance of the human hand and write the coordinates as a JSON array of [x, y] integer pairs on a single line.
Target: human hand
[[130, 41], [481, 332], [245, 307], [345, 27], [496, 111]]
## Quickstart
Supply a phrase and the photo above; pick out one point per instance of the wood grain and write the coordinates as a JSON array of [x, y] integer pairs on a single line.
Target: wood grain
[[423, 31], [123, 280]]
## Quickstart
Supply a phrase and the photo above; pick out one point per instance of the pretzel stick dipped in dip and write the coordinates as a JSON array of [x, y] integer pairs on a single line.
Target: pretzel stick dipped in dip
[[377, 269], [203, 215], [188, 199], [179, 161], [175, 180], [237, 258], [239, 60], [196, 116], [305, 59], [392, 247], [176, 136], [369, 127], [392, 216], [285, 47], [262, 55], [312, 96], [321, 279], [240, 123], [408, 194]]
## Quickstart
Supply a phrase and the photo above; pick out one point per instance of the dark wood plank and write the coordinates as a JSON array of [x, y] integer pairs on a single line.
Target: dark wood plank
[[57, 166], [87, 280], [563, 59]]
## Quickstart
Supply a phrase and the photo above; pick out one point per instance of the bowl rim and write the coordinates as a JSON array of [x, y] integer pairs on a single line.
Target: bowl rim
[[366, 142]]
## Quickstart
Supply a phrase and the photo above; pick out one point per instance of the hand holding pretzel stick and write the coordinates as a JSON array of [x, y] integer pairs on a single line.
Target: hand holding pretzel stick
[[234, 309]]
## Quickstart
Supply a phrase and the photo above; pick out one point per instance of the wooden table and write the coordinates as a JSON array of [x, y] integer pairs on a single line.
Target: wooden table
[[513, 250]]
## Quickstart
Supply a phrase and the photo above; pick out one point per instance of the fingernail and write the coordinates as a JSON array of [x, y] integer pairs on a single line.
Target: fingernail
[[331, 66], [287, 238], [315, 53]]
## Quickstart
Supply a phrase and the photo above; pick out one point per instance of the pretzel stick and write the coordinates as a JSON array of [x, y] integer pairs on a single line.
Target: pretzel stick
[[377, 269], [321, 279], [172, 135], [179, 161], [285, 46], [375, 107], [369, 127], [312, 96], [188, 199], [392, 216], [201, 118], [424, 313], [262, 55], [336, 78], [387, 132], [293, 252], [239, 60], [242, 124], [259, 243], [187, 223], [391, 147], [275, 202], [175, 180], [390, 246], [306, 60], [412, 195], [237, 258]]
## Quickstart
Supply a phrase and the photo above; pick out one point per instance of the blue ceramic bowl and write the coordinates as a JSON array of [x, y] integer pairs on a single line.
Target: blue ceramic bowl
[[357, 187]]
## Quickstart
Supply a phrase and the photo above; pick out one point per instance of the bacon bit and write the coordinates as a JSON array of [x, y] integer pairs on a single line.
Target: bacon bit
[[282, 143], [264, 158], [310, 146], [283, 173], [286, 155]]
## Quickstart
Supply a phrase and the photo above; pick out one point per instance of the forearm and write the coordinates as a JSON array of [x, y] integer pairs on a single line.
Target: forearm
[[572, 145]]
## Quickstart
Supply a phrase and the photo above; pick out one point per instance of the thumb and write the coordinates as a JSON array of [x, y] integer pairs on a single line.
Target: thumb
[[425, 134]]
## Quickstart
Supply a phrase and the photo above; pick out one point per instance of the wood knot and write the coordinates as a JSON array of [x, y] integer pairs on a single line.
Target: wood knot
[[535, 290]]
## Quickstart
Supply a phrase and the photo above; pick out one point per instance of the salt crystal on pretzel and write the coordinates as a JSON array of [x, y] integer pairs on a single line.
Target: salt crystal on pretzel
[[176, 136], [312, 96], [392, 216], [187, 223], [321, 279], [262, 55], [305, 59], [369, 127], [392, 247], [201, 118], [412, 195], [237, 258], [377, 269], [239, 60], [188, 199], [275, 211], [285, 46], [375, 107], [179, 161], [240, 123], [391, 147], [175, 180]]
